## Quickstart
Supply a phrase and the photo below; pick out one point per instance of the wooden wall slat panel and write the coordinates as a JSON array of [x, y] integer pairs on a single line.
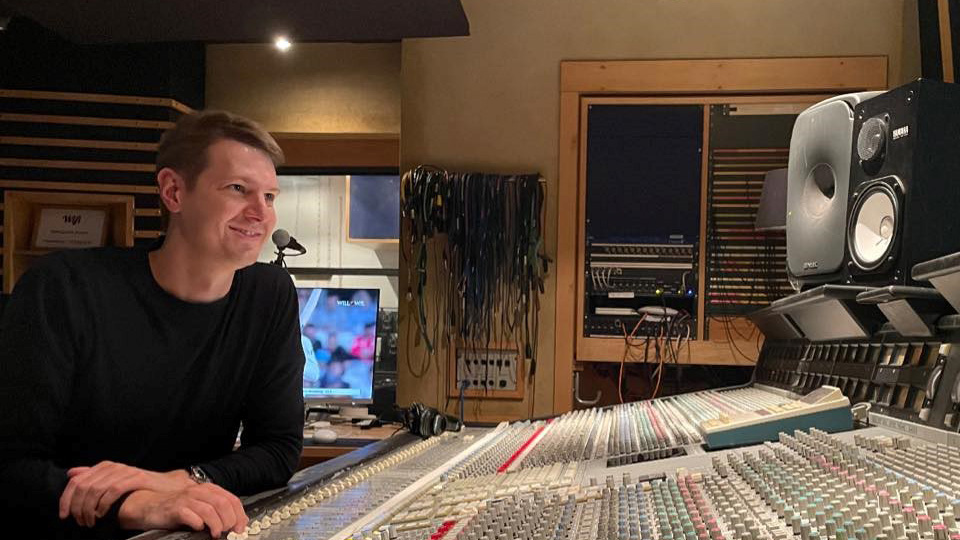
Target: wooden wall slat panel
[[80, 143], [81, 165], [84, 121], [745, 268], [97, 98], [83, 158]]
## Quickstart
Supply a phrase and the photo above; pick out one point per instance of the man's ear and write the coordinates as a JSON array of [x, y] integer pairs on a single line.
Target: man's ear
[[172, 188]]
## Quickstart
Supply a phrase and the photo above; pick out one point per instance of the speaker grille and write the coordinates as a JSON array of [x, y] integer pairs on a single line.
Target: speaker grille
[[871, 140]]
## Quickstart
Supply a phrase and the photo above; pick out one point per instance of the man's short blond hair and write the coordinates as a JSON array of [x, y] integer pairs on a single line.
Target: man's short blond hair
[[183, 147]]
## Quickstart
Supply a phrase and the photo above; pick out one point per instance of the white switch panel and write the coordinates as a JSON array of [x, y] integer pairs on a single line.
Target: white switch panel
[[487, 372]]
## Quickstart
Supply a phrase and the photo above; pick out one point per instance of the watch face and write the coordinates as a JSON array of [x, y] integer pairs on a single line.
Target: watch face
[[198, 475]]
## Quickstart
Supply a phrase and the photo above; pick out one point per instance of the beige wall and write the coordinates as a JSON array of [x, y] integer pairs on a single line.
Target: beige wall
[[313, 88], [490, 101]]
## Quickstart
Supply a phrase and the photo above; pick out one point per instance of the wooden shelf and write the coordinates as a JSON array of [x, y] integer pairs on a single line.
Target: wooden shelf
[[22, 210], [97, 98], [718, 350], [351, 437]]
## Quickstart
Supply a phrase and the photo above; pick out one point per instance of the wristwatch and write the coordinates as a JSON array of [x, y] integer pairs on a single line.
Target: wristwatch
[[197, 474]]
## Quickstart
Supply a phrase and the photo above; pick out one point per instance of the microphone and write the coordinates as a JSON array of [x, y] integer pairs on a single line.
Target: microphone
[[283, 240]]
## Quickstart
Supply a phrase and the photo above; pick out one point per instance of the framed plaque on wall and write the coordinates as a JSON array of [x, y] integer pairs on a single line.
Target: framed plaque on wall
[[68, 228]]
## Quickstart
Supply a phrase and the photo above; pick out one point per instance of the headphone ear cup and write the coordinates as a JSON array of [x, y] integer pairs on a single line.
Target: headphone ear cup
[[453, 423], [413, 417], [439, 424], [426, 422]]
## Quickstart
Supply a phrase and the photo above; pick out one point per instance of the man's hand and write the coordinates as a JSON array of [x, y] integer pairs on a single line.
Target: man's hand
[[92, 490], [199, 506]]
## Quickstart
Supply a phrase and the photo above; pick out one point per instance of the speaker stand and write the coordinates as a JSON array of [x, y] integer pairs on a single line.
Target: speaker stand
[[831, 312], [775, 325], [911, 310], [944, 274], [356, 413]]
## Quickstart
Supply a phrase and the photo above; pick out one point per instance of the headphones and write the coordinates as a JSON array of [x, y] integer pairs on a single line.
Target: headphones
[[428, 422]]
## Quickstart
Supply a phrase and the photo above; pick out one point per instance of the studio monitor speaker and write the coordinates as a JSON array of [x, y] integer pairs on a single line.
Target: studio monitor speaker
[[904, 182], [817, 190]]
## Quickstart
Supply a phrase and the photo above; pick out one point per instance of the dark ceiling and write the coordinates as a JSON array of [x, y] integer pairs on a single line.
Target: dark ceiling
[[244, 21]]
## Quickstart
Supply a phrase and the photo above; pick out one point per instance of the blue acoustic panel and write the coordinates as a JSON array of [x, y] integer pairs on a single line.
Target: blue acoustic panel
[[374, 212]]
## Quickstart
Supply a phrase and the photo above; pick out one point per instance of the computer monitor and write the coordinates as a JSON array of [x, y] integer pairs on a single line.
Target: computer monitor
[[338, 329]]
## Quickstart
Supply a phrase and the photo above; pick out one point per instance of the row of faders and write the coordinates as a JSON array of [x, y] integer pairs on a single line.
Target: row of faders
[[323, 510], [647, 430], [934, 465], [622, 434], [455, 504], [639, 431], [700, 407], [575, 436], [501, 452], [628, 509], [659, 428], [816, 487]]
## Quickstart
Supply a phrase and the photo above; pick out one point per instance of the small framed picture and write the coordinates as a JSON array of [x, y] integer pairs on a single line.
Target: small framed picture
[[61, 227]]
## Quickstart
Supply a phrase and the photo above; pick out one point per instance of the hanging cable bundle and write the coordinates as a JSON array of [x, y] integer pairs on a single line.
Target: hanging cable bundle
[[488, 265]]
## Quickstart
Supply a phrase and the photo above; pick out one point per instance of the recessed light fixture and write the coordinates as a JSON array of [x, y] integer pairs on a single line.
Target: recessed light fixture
[[283, 43]]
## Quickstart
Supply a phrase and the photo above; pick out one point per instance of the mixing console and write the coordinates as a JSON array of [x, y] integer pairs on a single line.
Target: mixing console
[[636, 471]]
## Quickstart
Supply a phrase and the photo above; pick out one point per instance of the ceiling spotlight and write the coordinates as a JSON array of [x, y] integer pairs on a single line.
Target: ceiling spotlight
[[283, 43]]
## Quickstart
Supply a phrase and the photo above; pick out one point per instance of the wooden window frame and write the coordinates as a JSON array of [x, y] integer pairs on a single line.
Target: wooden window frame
[[706, 82]]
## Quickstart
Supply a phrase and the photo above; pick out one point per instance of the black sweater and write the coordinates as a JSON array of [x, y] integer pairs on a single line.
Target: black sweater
[[98, 362]]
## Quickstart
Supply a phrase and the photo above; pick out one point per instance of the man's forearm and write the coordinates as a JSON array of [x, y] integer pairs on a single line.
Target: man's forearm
[[196, 506], [30, 491], [132, 509], [256, 467]]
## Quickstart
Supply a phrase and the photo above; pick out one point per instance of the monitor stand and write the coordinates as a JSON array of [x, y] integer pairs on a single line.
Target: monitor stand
[[355, 413]]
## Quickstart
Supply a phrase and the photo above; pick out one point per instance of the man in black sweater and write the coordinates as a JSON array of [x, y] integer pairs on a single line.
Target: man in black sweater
[[125, 373]]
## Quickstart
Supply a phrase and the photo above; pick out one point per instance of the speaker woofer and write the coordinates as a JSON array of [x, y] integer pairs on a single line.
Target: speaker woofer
[[873, 226]]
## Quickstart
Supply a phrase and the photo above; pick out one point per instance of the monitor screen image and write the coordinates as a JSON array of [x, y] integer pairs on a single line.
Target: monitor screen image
[[338, 331]]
